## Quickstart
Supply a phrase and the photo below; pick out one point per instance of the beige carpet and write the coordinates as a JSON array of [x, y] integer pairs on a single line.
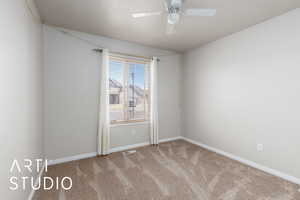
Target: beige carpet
[[175, 170]]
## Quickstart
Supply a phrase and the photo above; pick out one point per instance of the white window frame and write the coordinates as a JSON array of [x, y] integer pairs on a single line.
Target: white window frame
[[125, 64]]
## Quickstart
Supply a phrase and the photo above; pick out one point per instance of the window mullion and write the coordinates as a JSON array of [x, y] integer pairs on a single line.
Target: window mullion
[[125, 78]]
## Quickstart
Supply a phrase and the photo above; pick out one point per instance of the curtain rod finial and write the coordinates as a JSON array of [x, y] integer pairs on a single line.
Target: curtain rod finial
[[98, 50]]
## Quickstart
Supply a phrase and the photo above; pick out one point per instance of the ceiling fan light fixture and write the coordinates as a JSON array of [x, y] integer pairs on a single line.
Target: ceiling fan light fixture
[[173, 18]]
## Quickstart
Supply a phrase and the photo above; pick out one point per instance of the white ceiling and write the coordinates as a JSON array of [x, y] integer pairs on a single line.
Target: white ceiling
[[112, 18]]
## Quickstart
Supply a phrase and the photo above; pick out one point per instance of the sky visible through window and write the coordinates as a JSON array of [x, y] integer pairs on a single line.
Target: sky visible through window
[[116, 72]]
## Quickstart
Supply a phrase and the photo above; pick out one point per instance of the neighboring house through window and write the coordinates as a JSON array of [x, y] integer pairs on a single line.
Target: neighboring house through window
[[114, 99], [129, 90]]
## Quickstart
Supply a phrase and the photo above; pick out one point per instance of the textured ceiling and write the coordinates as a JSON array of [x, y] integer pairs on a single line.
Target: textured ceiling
[[112, 18]]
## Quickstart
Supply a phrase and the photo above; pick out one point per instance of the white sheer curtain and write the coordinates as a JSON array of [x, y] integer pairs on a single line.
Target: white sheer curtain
[[153, 103], [104, 121]]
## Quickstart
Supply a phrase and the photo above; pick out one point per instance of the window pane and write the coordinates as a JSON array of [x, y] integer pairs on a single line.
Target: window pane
[[136, 91], [116, 88]]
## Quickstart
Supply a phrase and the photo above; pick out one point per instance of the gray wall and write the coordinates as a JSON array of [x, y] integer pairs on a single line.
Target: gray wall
[[21, 92], [244, 89], [72, 72]]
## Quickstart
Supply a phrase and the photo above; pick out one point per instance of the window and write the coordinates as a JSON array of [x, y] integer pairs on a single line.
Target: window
[[129, 90]]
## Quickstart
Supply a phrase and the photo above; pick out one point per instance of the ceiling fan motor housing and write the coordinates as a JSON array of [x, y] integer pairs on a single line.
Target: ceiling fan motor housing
[[174, 11], [173, 18]]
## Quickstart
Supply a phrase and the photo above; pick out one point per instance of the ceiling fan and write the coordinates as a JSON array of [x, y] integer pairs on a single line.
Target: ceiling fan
[[174, 10]]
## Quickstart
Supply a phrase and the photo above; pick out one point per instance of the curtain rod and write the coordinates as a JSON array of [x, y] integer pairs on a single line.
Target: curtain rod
[[99, 48], [129, 55]]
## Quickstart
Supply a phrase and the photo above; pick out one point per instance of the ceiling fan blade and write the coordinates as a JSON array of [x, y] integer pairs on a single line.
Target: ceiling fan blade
[[200, 12], [145, 14]]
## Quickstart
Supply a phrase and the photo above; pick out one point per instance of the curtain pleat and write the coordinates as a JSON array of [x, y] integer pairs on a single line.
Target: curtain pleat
[[154, 140], [104, 120]]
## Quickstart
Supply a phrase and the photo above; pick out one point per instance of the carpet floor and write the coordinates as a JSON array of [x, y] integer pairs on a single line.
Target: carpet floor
[[175, 170]]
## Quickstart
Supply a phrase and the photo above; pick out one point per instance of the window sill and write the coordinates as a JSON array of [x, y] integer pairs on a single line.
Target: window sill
[[129, 124]]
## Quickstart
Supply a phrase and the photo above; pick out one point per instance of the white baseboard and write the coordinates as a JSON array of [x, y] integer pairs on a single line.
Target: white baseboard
[[72, 158], [247, 162], [132, 146], [36, 181], [112, 150], [170, 139]]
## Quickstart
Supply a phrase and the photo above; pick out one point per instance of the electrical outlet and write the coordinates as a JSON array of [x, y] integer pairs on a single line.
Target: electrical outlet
[[259, 147]]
